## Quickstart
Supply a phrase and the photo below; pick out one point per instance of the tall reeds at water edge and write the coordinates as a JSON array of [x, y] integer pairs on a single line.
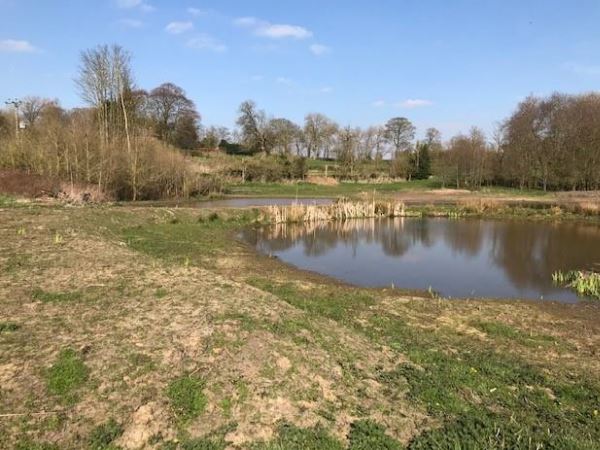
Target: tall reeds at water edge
[[584, 282], [340, 210]]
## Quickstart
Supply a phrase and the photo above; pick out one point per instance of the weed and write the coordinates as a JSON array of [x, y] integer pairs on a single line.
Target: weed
[[102, 437], [161, 293], [187, 396], [7, 327], [66, 375]]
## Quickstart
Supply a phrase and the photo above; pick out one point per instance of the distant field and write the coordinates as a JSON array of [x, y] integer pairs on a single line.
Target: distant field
[[314, 190]]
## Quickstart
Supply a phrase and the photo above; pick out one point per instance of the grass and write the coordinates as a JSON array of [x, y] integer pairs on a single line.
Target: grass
[[313, 190], [495, 390], [103, 436], [55, 297], [502, 330], [187, 397], [6, 201], [363, 435], [67, 375], [8, 327], [485, 399], [291, 437]]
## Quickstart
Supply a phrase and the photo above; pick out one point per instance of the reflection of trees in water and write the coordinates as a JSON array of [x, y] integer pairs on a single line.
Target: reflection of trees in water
[[395, 236], [464, 236], [527, 252], [530, 252]]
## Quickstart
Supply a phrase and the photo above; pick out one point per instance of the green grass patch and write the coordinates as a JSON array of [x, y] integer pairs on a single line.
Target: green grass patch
[[28, 444], [67, 375], [7, 201], [55, 297], [187, 397], [302, 189], [329, 301], [8, 327], [291, 437], [368, 435], [161, 293], [189, 241], [103, 436], [504, 331]]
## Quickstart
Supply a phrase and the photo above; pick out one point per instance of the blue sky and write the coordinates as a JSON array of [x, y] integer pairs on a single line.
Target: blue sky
[[445, 63]]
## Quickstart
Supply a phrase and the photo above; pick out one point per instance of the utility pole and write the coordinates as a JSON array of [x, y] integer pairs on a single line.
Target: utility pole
[[16, 103]]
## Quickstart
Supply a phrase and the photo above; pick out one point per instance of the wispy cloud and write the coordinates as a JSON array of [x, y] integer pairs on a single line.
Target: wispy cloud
[[378, 103], [266, 29], [16, 46], [196, 12], [318, 49], [129, 4], [179, 27], [206, 42], [284, 80], [582, 69], [412, 103], [326, 90], [131, 23]]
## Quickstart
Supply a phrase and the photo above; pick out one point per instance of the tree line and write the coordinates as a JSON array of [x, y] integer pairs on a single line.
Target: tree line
[[136, 143], [126, 141]]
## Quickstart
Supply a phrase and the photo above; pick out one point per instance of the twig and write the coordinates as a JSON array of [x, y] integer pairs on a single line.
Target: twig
[[40, 413]]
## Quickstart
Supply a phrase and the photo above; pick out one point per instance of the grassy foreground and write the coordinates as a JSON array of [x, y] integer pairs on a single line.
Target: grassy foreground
[[155, 328]]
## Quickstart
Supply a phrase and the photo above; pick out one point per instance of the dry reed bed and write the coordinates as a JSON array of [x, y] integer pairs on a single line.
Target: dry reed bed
[[338, 211]]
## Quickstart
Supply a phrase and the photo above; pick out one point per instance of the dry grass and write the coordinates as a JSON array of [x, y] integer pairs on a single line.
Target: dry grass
[[292, 348], [322, 180], [339, 211]]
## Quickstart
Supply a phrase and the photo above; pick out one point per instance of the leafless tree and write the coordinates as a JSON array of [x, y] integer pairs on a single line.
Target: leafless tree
[[318, 133]]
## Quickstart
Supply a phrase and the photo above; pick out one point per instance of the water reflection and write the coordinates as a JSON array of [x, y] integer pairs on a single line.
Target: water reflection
[[459, 258]]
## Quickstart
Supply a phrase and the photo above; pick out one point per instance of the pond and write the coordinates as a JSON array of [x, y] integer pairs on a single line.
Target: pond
[[456, 258]]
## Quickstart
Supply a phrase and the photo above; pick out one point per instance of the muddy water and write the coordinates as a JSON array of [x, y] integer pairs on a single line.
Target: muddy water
[[457, 258]]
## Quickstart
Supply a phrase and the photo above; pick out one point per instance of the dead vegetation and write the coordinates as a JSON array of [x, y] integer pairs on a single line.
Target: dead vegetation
[[339, 211]]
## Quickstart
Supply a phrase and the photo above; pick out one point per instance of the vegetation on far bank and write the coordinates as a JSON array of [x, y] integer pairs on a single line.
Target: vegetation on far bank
[[133, 144]]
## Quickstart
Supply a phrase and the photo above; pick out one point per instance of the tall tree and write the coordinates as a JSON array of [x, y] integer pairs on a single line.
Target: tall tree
[[318, 134], [256, 133], [169, 105], [400, 132], [285, 134]]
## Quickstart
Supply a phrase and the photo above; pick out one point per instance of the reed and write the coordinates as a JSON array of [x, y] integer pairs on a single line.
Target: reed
[[585, 283], [339, 211]]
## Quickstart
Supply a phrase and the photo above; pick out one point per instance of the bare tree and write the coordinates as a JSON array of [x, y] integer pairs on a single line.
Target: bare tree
[[318, 133], [400, 132], [256, 132], [32, 108], [285, 135]]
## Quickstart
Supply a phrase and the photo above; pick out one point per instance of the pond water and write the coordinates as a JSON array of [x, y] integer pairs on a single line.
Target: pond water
[[456, 258]]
